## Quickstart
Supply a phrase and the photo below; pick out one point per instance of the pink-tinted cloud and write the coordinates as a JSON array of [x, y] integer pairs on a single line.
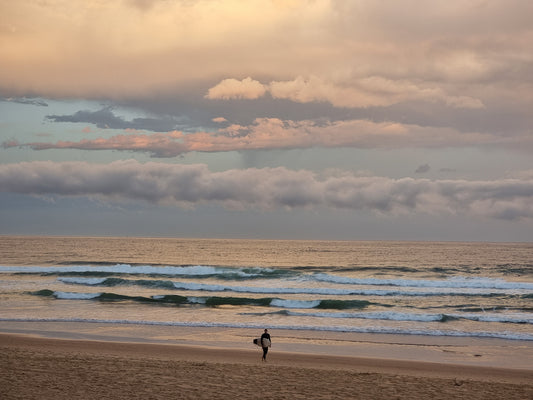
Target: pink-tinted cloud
[[351, 92], [273, 133], [10, 143], [269, 188], [159, 144]]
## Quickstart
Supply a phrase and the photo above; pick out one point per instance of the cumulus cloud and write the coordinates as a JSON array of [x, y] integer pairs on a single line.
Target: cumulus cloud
[[269, 188], [350, 93], [235, 89], [273, 133]]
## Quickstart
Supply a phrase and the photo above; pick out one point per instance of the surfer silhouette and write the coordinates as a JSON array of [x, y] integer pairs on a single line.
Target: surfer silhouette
[[265, 343]]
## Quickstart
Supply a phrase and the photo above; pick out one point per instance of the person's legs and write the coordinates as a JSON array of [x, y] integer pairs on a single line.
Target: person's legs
[[265, 351]]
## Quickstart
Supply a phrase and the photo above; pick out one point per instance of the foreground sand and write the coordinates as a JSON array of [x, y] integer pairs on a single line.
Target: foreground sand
[[38, 368]]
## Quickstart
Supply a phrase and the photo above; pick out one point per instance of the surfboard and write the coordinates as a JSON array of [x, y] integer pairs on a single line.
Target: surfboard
[[266, 342]]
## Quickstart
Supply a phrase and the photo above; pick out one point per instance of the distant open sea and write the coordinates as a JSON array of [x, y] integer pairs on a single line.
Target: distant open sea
[[413, 288]]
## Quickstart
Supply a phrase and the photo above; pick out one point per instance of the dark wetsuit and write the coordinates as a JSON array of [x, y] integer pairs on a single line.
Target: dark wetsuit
[[265, 349]]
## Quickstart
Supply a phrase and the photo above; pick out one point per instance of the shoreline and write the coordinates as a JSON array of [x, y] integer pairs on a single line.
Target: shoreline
[[445, 350], [36, 367], [250, 356]]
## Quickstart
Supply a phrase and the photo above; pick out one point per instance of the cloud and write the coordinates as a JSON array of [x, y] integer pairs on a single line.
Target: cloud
[[342, 58], [269, 188], [158, 144], [466, 53], [106, 119], [422, 169], [220, 120], [235, 89], [351, 93], [10, 143], [24, 100], [273, 133], [153, 46]]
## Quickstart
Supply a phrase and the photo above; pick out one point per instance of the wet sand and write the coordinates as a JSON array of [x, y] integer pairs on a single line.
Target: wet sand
[[44, 368]]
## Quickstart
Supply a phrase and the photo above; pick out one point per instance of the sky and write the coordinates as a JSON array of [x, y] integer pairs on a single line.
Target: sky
[[273, 119]]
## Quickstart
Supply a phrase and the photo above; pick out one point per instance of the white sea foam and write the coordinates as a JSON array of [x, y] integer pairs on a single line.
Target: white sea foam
[[516, 318], [294, 303], [196, 300], [405, 291], [194, 270], [337, 328], [452, 282], [384, 315], [75, 296], [83, 281]]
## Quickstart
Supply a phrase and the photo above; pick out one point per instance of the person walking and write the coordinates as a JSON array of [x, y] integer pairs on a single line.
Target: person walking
[[265, 343]]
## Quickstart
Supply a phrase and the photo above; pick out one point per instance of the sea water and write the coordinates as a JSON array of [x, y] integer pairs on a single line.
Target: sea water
[[412, 288]]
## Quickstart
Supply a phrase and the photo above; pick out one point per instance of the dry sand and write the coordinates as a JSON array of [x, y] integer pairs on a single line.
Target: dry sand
[[43, 368]]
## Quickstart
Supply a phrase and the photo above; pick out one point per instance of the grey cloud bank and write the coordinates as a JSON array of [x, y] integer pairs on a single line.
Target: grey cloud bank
[[106, 119], [269, 188]]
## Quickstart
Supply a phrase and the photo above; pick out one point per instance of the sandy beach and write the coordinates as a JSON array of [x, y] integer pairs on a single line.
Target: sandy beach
[[45, 368]]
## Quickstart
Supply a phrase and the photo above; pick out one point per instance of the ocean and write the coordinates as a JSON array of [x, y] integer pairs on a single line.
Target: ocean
[[411, 288]]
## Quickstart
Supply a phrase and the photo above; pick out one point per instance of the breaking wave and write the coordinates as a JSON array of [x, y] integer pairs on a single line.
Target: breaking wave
[[209, 301], [368, 290]]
